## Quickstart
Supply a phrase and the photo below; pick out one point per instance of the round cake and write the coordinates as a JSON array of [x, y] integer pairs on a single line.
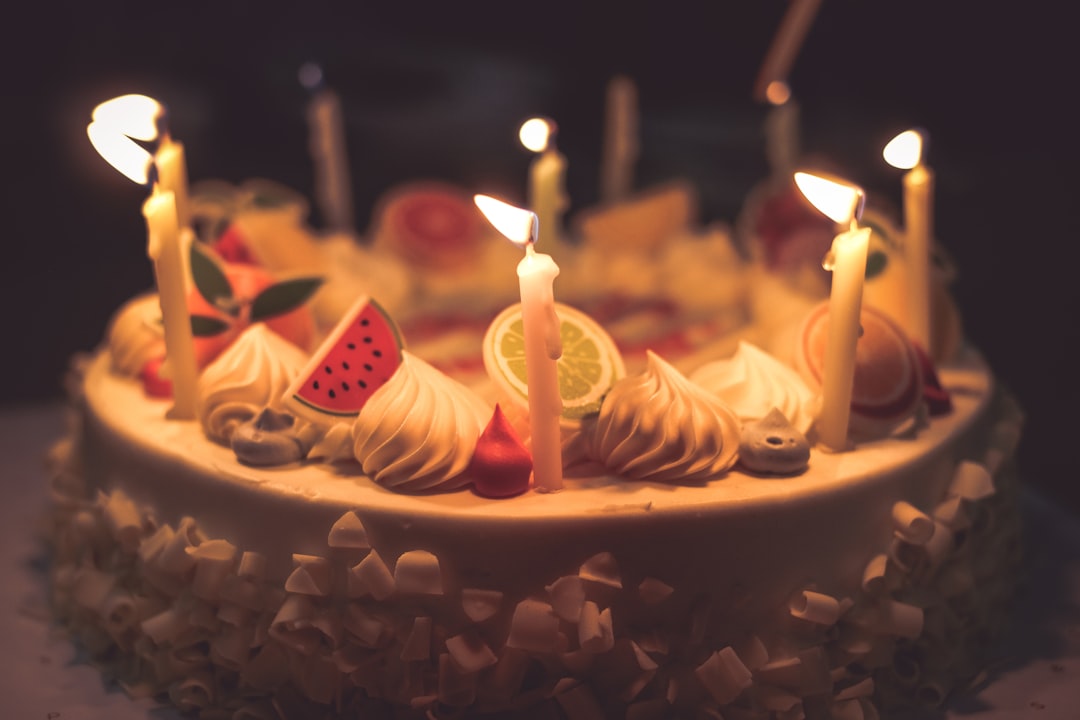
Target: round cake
[[704, 557]]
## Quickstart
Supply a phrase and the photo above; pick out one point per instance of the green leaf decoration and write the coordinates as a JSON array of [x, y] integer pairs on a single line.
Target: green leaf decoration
[[284, 296], [210, 279], [205, 326], [876, 262]]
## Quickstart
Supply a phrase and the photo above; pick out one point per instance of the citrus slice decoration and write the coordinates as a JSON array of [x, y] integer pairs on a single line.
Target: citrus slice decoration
[[589, 366]]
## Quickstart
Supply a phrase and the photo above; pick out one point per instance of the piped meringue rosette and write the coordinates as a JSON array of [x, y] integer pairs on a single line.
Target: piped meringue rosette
[[752, 382], [135, 334], [659, 426], [251, 374], [418, 431]]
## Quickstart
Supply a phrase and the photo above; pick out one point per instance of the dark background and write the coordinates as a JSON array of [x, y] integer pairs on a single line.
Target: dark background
[[438, 90]]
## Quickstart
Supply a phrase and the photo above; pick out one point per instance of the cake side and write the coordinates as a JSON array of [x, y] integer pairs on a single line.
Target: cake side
[[623, 592]]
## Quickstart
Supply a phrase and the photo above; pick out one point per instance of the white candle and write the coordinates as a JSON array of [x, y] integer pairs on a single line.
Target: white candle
[[116, 124], [332, 186], [172, 176], [845, 304], [843, 204], [543, 340], [164, 248], [620, 140], [547, 179], [906, 151], [543, 347]]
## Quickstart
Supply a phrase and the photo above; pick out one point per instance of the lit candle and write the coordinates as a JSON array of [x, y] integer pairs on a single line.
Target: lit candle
[[547, 191], [172, 175], [115, 126], [905, 151], [842, 203], [543, 342], [620, 139], [327, 142]]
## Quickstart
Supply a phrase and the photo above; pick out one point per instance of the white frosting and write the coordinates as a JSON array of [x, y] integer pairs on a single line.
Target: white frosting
[[752, 382], [659, 426], [135, 334], [418, 431], [251, 374]]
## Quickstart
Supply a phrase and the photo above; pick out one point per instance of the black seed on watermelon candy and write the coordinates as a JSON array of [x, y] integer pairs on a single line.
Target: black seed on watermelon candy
[[331, 393], [367, 339], [377, 353], [365, 322], [362, 384], [328, 370], [344, 364], [345, 386], [315, 384], [367, 366], [351, 346]]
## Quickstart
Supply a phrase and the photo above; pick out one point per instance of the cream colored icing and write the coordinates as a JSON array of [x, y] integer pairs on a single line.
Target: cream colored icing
[[418, 431], [752, 382], [659, 426], [251, 374], [135, 334]]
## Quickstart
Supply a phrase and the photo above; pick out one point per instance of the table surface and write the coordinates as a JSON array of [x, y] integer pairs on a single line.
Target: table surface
[[1033, 674]]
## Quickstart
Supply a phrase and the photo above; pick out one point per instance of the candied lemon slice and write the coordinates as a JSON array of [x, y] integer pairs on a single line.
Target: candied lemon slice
[[589, 366]]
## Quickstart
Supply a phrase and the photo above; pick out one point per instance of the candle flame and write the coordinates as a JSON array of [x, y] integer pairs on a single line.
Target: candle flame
[[839, 201], [516, 224], [116, 125], [536, 133], [905, 150], [777, 92]]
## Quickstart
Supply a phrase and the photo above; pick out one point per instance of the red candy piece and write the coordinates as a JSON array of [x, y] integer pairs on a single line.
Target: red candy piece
[[500, 465], [232, 247], [153, 384], [938, 400]]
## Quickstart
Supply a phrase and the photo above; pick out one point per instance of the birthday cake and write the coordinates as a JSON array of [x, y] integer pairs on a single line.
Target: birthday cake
[[357, 520], [252, 563]]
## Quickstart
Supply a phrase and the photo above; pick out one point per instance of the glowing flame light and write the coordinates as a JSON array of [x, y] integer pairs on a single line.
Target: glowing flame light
[[516, 224], [117, 124], [905, 150], [777, 92], [535, 134], [839, 201]]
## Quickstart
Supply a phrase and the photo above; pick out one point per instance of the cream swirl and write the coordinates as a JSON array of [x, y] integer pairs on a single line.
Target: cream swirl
[[752, 382], [251, 374], [659, 426], [135, 334], [418, 431]]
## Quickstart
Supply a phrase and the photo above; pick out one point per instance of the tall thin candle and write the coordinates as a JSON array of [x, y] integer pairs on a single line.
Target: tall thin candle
[[620, 139], [333, 189], [543, 342], [116, 125], [547, 173], [843, 204], [905, 151]]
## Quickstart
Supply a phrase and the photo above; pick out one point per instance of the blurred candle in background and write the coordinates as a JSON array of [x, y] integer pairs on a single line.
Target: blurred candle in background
[[620, 139], [547, 179], [333, 189]]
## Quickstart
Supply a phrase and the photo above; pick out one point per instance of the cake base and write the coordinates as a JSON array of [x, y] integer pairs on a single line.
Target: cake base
[[226, 589]]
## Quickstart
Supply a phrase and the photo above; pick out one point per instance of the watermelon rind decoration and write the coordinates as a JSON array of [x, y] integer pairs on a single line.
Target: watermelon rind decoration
[[355, 360]]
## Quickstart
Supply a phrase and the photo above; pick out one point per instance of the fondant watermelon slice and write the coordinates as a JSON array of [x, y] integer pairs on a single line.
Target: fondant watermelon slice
[[354, 361]]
